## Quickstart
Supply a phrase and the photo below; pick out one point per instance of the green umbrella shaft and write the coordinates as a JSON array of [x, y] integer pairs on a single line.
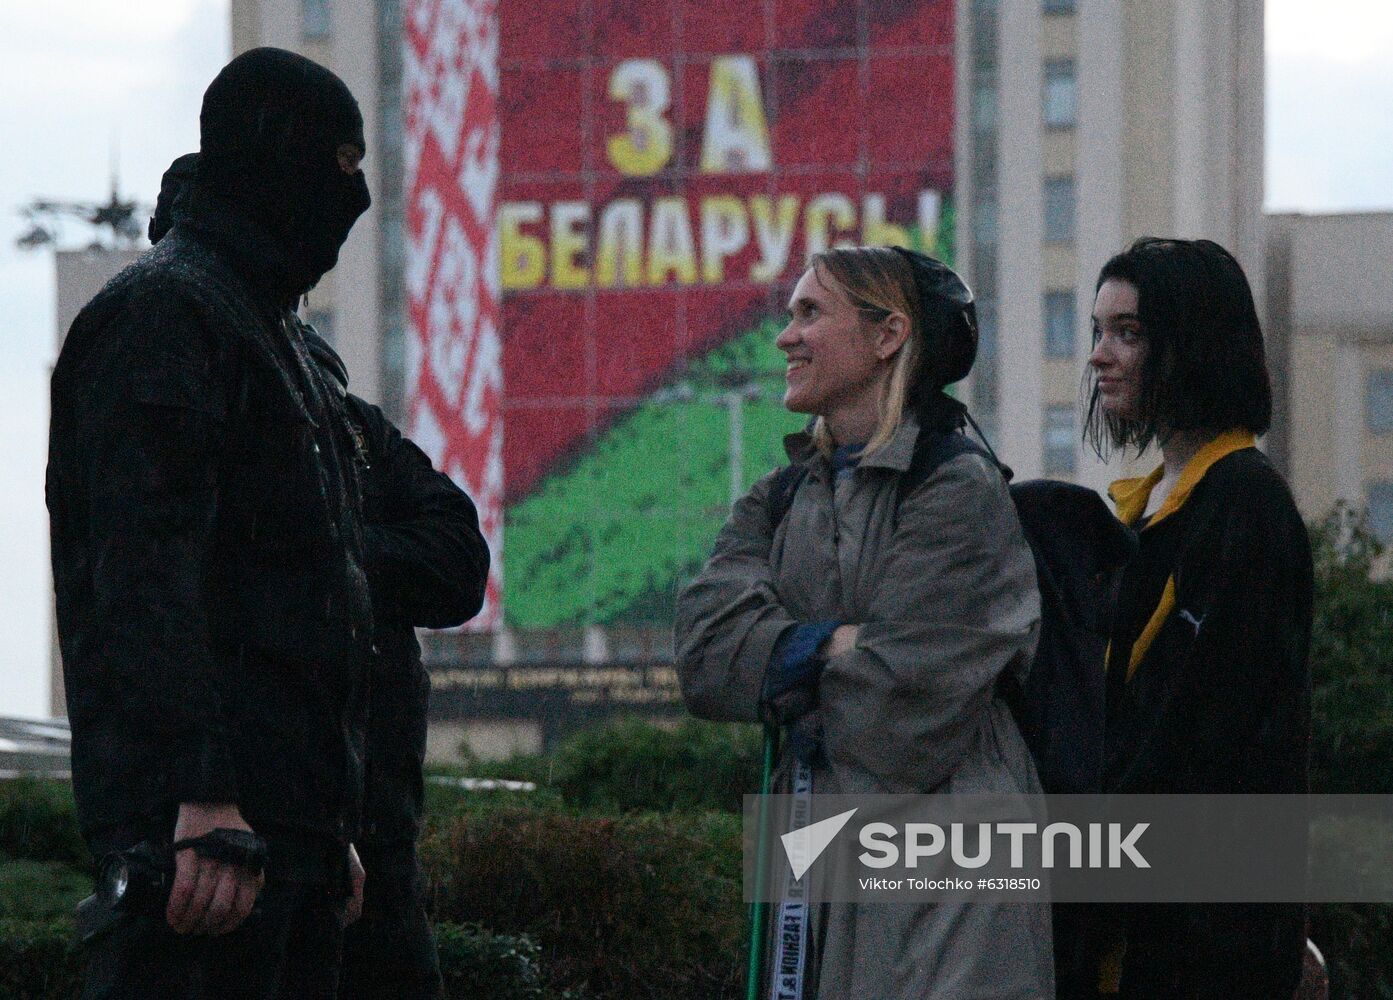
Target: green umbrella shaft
[[758, 908]]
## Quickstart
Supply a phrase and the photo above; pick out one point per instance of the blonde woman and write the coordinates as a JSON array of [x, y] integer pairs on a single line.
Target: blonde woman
[[876, 626]]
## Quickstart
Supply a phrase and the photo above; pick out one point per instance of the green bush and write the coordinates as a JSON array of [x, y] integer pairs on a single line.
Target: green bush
[[633, 765], [38, 821], [38, 890], [476, 962], [1352, 731], [1356, 940], [1351, 662], [631, 906], [39, 960], [629, 765]]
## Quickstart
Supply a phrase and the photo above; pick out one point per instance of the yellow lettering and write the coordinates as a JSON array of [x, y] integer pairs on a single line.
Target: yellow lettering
[[773, 233], [875, 231], [521, 258], [621, 238], [643, 85], [569, 239], [824, 212], [930, 205], [725, 230], [670, 249], [736, 139]]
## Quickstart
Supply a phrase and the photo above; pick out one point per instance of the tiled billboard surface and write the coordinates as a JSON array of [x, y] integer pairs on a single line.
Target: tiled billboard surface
[[665, 168]]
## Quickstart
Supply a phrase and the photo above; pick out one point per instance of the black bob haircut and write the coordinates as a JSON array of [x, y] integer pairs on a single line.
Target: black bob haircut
[[1205, 368]]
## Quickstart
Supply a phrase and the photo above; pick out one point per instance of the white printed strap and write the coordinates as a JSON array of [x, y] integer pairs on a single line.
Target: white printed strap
[[791, 927]]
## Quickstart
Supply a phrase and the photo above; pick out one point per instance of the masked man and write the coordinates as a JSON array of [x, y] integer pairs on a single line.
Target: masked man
[[213, 606]]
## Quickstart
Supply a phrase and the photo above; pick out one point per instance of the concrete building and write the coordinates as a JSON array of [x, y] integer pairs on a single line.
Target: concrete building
[[1083, 124], [1330, 333]]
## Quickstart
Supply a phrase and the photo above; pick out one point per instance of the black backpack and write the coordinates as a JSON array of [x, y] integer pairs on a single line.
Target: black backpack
[[1079, 549]]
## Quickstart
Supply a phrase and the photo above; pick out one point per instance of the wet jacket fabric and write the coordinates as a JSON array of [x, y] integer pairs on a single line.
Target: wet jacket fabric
[[213, 607], [1209, 691], [427, 565], [944, 592], [1208, 675]]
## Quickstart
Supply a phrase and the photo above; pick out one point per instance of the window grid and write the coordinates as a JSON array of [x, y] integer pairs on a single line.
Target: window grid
[[1378, 401], [1060, 453], [1060, 324], [1380, 500], [314, 19], [1059, 209], [1061, 97]]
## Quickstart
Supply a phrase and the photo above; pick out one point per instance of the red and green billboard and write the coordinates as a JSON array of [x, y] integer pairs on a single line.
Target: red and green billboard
[[663, 170]]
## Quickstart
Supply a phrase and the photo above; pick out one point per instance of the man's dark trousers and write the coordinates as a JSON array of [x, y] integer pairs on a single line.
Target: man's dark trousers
[[390, 951], [288, 949]]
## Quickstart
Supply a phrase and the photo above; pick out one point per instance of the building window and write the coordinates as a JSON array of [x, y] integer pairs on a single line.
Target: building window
[[1061, 97], [1378, 401], [314, 19], [1059, 324], [984, 107], [986, 329], [984, 219], [1059, 209], [1381, 511], [323, 322], [1059, 441], [1059, 6]]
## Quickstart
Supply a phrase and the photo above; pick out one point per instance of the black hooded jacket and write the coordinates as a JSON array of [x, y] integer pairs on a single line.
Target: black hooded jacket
[[213, 608], [427, 566]]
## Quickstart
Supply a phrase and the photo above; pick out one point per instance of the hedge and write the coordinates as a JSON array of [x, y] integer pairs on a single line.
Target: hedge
[[630, 765], [39, 960], [631, 906], [38, 822]]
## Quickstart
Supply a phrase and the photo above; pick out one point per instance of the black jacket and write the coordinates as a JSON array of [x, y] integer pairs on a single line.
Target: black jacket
[[427, 566], [213, 608], [1219, 694], [1209, 691]]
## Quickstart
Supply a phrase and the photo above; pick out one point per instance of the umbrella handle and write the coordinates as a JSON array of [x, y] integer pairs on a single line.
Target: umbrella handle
[[759, 908]]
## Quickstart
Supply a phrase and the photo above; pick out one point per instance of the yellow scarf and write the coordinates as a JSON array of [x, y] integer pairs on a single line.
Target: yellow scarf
[[1131, 496]]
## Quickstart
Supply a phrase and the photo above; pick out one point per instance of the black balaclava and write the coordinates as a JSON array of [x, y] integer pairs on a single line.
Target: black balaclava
[[173, 184], [270, 129]]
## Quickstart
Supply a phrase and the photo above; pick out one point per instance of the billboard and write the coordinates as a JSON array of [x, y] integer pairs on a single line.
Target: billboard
[[660, 172]]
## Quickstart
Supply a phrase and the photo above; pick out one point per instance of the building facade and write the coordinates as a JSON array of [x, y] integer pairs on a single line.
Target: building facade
[[1330, 332], [1082, 125]]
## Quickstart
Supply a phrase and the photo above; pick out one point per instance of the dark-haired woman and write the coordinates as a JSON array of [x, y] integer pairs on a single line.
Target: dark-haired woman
[[876, 626], [1208, 688]]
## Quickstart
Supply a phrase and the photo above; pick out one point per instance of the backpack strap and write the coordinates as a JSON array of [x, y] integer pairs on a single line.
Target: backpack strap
[[781, 495], [930, 451]]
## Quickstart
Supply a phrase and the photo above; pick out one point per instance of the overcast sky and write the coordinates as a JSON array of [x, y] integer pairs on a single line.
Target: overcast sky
[[83, 82]]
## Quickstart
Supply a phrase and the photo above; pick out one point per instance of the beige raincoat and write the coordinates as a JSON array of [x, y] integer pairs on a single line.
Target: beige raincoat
[[945, 595]]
